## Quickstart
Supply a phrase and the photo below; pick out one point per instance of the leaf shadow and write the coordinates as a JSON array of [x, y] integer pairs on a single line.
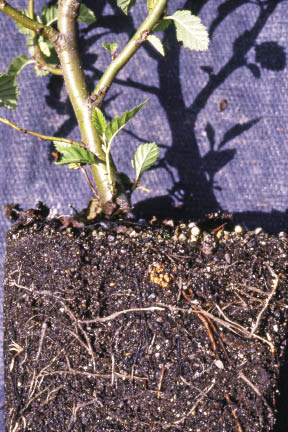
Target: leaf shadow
[[192, 174], [194, 189]]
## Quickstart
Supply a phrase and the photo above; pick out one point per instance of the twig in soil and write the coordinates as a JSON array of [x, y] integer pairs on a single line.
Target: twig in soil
[[234, 413], [33, 384], [48, 397], [16, 426], [209, 325], [112, 369], [82, 405], [209, 332], [227, 323], [18, 349], [196, 403], [219, 334], [35, 381], [93, 374], [37, 396], [237, 328], [149, 350], [124, 311], [87, 346], [255, 299], [267, 301], [210, 328], [256, 390], [43, 331], [39, 293], [251, 288], [160, 382]]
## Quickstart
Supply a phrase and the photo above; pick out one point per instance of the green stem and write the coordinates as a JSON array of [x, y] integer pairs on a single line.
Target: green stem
[[40, 60], [78, 92], [29, 23], [129, 50], [31, 9], [40, 136]]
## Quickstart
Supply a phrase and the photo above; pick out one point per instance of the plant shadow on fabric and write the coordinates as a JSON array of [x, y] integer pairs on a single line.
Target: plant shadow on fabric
[[194, 184]]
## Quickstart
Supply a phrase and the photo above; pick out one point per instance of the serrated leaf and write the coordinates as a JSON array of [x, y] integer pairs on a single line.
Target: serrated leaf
[[71, 153], [99, 120], [190, 30], [144, 158], [8, 92], [156, 43], [110, 47], [17, 65], [20, 26], [114, 127], [86, 15], [126, 5], [8, 85], [49, 14], [162, 25]]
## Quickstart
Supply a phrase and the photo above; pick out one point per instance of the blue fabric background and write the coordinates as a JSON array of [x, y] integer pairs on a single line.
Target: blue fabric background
[[234, 160]]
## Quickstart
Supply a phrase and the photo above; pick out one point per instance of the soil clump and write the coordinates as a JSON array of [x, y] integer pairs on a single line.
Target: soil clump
[[124, 327]]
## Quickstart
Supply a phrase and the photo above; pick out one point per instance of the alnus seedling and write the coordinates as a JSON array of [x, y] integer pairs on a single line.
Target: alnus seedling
[[51, 39]]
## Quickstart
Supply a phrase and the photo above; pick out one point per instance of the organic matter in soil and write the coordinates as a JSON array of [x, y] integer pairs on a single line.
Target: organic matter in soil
[[124, 327]]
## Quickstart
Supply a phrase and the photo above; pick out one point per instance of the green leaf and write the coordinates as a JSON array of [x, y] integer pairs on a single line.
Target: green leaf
[[156, 43], [161, 25], [86, 15], [8, 91], [144, 157], [17, 65], [49, 14], [190, 30], [71, 154], [20, 26], [8, 85], [99, 120], [110, 47], [114, 127], [44, 47], [126, 5]]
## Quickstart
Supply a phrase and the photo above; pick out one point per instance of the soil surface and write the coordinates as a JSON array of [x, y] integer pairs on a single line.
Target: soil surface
[[123, 327]]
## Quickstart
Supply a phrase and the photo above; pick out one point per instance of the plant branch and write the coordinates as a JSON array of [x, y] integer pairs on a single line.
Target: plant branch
[[78, 92], [130, 49], [40, 136], [31, 9], [40, 60], [29, 23]]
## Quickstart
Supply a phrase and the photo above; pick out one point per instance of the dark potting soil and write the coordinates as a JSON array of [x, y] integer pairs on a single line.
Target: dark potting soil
[[130, 328]]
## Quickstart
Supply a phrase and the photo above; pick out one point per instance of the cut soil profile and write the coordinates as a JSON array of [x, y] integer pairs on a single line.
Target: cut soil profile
[[124, 327]]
